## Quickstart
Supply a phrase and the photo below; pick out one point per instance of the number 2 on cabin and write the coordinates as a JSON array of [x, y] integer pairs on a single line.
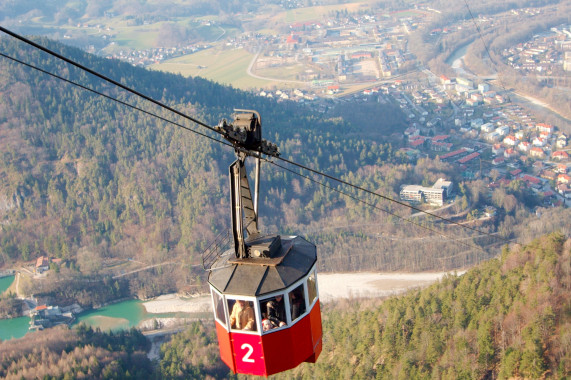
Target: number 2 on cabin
[[248, 353], [246, 358]]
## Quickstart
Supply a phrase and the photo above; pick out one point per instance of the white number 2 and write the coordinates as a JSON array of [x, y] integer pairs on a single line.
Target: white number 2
[[246, 357]]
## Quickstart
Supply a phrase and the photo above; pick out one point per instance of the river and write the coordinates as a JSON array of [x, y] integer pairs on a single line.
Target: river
[[456, 59], [131, 313], [118, 316], [5, 283], [14, 327]]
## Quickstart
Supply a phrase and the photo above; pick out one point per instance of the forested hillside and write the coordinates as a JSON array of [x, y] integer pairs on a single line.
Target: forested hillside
[[508, 317], [95, 183], [60, 353], [86, 179]]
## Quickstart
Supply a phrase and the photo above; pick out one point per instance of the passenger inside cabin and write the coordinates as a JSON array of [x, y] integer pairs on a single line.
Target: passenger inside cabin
[[297, 302], [275, 311], [242, 317], [267, 325]]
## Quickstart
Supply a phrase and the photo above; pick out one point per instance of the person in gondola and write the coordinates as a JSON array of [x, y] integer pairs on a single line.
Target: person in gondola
[[242, 317], [267, 325], [297, 303], [275, 309]]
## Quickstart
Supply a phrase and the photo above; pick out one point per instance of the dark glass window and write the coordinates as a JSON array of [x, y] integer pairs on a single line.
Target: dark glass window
[[219, 308], [273, 312], [297, 302], [311, 288]]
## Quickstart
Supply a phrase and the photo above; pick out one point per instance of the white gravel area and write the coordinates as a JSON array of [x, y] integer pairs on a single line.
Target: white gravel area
[[331, 286], [172, 303], [371, 284]]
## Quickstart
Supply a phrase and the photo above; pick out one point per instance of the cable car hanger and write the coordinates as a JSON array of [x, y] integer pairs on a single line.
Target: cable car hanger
[[245, 134]]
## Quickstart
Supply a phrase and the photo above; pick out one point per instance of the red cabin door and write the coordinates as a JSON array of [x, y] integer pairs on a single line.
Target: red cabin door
[[248, 354]]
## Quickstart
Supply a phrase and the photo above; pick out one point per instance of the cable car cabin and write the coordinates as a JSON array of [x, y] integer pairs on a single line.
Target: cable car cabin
[[266, 309], [264, 291]]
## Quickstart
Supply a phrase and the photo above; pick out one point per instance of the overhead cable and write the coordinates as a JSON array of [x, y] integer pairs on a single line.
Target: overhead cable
[[114, 99], [105, 78], [378, 208], [179, 113]]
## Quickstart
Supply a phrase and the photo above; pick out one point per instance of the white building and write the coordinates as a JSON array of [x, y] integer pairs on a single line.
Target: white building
[[436, 194]]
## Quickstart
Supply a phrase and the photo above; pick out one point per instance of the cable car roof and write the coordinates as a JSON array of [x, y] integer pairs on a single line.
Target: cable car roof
[[258, 276]]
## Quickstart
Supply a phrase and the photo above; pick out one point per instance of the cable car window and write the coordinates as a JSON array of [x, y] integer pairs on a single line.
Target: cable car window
[[311, 288], [242, 315], [219, 308], [297, 302], [273, 312]]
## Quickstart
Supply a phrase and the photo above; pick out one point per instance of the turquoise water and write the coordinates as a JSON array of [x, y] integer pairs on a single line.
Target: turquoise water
[[118, 316], [122, 315], [14, 327], [5, 283]]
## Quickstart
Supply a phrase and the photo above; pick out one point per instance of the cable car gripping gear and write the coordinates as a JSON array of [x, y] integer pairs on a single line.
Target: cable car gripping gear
[[245, 134]]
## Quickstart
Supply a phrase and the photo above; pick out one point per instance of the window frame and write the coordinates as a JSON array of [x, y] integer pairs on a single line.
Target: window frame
[[224, 307], [256, 308], [313, 272], [304, 290], [283, 293]]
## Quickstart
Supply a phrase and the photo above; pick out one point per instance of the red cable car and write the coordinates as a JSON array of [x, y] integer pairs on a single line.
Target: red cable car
[[264, 290]]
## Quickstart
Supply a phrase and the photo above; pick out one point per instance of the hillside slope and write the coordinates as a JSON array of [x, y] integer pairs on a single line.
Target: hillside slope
[[87, 180]]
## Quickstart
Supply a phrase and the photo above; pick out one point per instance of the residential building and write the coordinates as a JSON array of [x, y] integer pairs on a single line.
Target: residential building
[[510, 140], [483, 88], [536, 152], [560, 155], [42, 264], [561, 141], [564, 190], [503, 130], [487, 128], [542, 127], [510, 153], [532, 181], [524, 146], [497, 149], [538, 141], [563, 178]]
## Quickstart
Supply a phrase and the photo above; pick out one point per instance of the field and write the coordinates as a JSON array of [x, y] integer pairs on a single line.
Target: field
[[222, 66], [138, 38], [288, 72]]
